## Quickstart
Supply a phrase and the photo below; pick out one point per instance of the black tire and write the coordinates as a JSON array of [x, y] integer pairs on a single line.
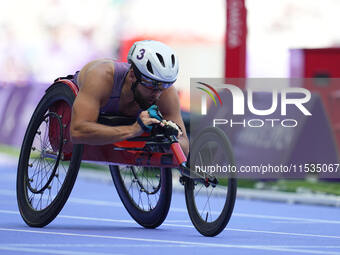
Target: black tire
[[159, 191], [55, 178], [225, 193]]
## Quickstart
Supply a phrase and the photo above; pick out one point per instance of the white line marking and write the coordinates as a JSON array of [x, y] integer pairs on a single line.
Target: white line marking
[[292, 222], [216, 245], [49, 251], [182, 210], [99, 245], [178, 221], [282, 233], [258, 216], [9, 212], [94, 245], [186, 226], [95, 219], [94, 202]]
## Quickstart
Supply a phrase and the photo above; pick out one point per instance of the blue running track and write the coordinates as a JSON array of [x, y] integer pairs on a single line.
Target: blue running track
[[94, 222]]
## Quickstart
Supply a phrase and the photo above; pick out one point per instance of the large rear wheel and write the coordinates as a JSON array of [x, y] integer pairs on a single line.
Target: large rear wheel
[[46, 175]]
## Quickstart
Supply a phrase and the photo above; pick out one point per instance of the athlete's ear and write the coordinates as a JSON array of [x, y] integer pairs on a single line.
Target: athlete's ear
[[131, 76]]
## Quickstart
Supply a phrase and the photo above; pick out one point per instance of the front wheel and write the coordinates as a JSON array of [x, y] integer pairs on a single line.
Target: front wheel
[[210, 205]]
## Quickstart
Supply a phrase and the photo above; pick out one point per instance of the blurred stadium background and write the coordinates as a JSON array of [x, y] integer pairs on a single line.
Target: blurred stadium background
[[45, 38], [41, 40]]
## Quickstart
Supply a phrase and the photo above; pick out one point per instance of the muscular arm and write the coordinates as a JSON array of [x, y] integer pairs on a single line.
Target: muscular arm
[[169, 106], [96, 86]]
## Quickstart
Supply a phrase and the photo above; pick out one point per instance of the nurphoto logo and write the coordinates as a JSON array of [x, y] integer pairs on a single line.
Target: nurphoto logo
[[288, 96]]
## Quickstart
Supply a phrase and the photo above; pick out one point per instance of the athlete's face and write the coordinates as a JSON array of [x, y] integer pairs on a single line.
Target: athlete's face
[[147, 96]]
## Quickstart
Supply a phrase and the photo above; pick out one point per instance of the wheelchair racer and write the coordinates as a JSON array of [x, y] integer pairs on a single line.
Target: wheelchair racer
[[127, 89]]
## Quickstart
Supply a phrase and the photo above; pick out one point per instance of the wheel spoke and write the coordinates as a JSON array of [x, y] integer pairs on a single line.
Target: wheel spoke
[[41, 168], [207, 202], [142, 185]]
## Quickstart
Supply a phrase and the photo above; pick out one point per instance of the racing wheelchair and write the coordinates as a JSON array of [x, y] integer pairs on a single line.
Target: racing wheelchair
[[141, 168]]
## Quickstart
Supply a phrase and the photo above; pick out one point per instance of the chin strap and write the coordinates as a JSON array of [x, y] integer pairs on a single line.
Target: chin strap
[[134, 84]]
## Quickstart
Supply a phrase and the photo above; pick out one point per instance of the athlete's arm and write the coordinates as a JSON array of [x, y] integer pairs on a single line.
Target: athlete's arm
[[95, 89], [169, 106]]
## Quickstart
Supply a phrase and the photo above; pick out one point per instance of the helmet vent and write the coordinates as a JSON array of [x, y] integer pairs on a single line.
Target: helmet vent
[[160, 58], [173, 60], [148, 65], [133, 49]]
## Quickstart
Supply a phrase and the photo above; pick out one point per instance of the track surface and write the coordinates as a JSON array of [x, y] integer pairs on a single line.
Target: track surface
[[95, 222]]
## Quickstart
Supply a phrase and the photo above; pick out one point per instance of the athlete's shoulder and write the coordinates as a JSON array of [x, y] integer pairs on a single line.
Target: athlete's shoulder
[[101, 65], [121, 66], [99, 68], [169, 101]]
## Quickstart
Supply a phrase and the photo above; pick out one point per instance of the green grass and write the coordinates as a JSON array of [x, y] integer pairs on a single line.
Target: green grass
[[9, 150], [245, 183], [94, 166], [303, 185], [306, 185]]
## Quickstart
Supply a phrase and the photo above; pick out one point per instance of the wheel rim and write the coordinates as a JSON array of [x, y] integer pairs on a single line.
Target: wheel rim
[[45, 149], [143, 185], [46, 172], [209, 200]]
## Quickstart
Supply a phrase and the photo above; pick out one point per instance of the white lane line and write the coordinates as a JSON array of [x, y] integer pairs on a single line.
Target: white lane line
[[49, 251], [95, 245], [186, 226], [85, 201], [183, 210], [95, 219], [171, 222], [215, 245], [9, 212], [307, 220], [271, 217], [82, 245], [178, 221], [282, 233], [94, 202], [291, 222]]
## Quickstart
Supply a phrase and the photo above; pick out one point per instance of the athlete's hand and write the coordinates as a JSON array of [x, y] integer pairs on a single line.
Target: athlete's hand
[[144, 123], [174, 126]]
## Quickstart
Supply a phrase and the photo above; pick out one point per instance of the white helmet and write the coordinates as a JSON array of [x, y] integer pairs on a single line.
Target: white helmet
[[154, 60]]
